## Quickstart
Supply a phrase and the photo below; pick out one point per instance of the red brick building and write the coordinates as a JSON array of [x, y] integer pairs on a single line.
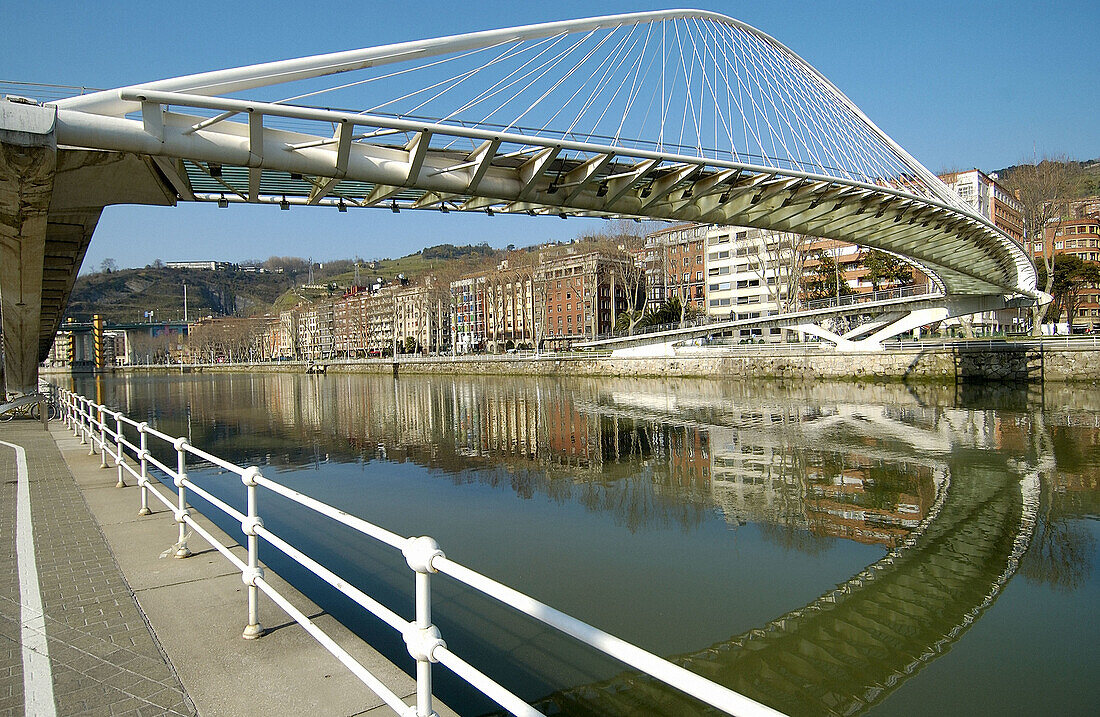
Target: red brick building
[[675, 263], [581, 295]]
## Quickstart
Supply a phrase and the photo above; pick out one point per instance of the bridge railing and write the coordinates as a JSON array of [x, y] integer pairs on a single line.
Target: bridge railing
[[993, 343], [126, 443], [901, 292]]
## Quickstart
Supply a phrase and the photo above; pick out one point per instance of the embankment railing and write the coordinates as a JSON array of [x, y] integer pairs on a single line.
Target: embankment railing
[[106, 430]]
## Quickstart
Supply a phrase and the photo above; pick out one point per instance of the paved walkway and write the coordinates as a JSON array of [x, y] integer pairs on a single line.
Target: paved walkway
[[103, 657], [130, 633]]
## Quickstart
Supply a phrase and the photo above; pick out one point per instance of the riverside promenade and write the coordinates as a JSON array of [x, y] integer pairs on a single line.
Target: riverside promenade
[[95, 622]]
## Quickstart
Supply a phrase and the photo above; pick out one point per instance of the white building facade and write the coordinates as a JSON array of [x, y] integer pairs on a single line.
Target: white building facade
[[748, 274]]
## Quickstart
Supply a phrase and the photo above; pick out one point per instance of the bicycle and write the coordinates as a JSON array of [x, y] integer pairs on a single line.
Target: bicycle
[[29, 406]]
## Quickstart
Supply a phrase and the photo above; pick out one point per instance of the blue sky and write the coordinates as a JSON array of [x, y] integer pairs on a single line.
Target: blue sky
[[959, 85]]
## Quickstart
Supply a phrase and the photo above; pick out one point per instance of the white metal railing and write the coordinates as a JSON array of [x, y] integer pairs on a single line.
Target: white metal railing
[[1081, 343], [102, 428]]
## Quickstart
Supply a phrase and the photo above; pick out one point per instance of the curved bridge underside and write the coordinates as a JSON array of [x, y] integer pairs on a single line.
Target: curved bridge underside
[[853, 646], [678, 115]]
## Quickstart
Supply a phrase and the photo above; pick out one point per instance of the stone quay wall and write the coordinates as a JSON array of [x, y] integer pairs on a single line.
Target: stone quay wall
[[996, 363]]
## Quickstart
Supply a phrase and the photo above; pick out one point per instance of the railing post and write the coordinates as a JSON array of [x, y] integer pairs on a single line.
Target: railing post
[[88, 435], [86, 425], [253, 521], [181, 510], [422, 637], [120, 457], [102, 437], [143, 458]]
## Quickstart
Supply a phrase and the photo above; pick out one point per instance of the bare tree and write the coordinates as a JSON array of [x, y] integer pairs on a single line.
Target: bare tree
[[1044, 188], [632, 280], [777, 258]]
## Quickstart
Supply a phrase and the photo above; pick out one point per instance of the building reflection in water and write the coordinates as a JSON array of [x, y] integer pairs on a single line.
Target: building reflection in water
[[631, 448]]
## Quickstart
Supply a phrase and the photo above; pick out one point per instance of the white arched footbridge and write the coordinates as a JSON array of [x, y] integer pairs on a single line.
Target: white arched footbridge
[[679, 115]]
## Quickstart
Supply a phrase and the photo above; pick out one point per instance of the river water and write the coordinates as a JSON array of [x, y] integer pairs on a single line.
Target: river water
[[823, 548]]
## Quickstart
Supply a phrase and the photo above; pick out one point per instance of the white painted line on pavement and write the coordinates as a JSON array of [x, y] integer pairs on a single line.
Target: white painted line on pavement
[[37, 675]]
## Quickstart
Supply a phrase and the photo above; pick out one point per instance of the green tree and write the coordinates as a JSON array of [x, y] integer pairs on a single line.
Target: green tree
[[1071, 275], [886, 269], [667, 313], [823, 279]]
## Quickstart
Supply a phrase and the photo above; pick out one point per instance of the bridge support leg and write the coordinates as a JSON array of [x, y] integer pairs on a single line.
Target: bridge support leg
[[907, 322], [28, 164]]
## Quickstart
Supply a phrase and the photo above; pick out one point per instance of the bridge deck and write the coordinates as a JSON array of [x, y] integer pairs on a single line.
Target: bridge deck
[[129, 633]]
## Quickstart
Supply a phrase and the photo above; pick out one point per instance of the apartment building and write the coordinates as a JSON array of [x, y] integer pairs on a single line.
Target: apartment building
[[582, 295], [468, 314], [315, 335], [675, 264], [749, 273], [422, 317], [1077, 237], [501, 308], [986, 196], [349, 324], [1084, 207]]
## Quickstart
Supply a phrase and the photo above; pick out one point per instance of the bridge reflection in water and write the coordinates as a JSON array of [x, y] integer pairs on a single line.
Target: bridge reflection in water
[[951, 495]]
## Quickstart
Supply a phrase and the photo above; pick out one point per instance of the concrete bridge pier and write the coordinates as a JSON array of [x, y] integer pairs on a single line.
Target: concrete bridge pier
[[28, 165], [51, 198]]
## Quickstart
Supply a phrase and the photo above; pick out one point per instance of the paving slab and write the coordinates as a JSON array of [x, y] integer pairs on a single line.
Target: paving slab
[[198, 608], [103, 657], [133, 633]]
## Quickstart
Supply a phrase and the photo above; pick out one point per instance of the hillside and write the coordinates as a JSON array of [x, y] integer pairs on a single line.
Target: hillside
[[445, 261], [1089, 185], [125, 295]]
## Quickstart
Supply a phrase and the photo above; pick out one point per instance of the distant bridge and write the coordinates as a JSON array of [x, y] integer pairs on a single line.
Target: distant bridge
[[679, 115]]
